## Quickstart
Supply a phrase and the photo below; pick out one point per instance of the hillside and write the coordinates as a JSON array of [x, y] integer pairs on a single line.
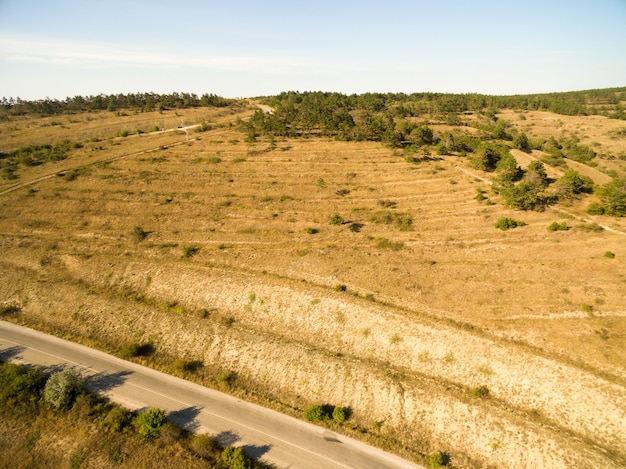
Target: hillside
[[350, 261]]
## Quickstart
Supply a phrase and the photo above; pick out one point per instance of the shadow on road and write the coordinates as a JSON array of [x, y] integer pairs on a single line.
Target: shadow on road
[[227, 438], [255, 452], [101, 382], [186, 418], [11, 352]]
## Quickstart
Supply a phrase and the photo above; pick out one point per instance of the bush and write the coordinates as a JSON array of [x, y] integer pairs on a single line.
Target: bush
[[170, 433], [203, 445], [555, 226], [384, 243], [504, 223], [339, 414], [62, 388], [149, 423], [315, 413], [117, 419], [340, 287], [139, 234], [135, 349], [480, 392], [595, 208], [190, 251], [336, 219], [234, 458], [435, 460], [20, 387], [609, 254]]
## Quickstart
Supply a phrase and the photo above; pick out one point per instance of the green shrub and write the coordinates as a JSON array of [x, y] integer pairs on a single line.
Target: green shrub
[[609, 254], [339, 414], [587, 308], [555, 226], [595, 208], [139, 234], [234, 458], [435, 460], [315, 413], [190, 251], [20, 387], [336, 219], [148, 423], [77, 458], [480, 392], [227, 377], [505, 223], [203, 445], [340, 287], [136, 349], [62, 388], [384, 243], [117, 419]]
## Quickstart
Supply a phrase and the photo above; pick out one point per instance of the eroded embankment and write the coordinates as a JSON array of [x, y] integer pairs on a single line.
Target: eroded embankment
[[387, 365]]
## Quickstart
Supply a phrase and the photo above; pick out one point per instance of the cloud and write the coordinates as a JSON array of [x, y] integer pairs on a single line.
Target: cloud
[[100, 55]]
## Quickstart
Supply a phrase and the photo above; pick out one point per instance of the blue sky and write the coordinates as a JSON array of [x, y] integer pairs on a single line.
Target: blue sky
[[61, 48]]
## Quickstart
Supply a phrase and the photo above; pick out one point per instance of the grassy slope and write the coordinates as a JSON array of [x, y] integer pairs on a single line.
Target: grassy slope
[[537, 317]]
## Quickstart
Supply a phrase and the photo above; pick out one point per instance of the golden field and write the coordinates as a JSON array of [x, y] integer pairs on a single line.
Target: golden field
[[239, 268]]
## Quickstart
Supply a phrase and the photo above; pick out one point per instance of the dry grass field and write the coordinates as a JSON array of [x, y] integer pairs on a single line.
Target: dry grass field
[[438, 331]]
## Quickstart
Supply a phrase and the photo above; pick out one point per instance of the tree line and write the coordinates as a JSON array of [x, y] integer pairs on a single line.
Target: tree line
[[113, 102]]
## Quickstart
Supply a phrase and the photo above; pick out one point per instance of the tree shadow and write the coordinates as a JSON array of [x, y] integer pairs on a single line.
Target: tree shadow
[[227, 438], [186, 418], [106, 381], [194, 365], [11, 352], [254, 451], [49, 370]]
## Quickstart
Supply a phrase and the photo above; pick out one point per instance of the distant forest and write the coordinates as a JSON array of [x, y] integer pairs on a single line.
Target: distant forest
[[332, 109], [142, 102]]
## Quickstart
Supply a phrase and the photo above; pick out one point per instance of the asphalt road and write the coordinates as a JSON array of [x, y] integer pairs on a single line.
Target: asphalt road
[[263, 433]]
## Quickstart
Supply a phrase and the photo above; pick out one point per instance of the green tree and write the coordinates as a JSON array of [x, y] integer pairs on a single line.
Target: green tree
[[571, 184], [62, 388], [20, 387], [321, 184], [234, 458], [149, 423], [521, 142], [613, 195], [485, 158], [536, 172]]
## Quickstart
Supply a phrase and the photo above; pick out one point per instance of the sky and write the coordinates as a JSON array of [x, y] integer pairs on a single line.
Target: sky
[[64, 48]]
